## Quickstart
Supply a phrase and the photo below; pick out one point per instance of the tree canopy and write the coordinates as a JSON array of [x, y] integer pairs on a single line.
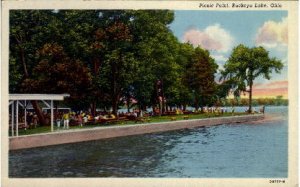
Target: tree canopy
[[245, 65], [109, 58]]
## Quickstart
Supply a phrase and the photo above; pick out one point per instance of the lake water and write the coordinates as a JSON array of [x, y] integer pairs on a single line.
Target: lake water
[[223, 151]]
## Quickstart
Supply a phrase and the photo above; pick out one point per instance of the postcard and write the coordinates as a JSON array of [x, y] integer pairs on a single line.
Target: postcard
[[149, 93]]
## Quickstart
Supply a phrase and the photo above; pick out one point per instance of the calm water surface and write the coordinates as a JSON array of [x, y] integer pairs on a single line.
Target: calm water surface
[[235, 150]]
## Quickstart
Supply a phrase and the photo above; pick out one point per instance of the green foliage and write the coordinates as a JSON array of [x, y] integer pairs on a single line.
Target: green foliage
[[57, 73], [245, 65], [15, 76], [256, 102], [199, 77], [103, 58]]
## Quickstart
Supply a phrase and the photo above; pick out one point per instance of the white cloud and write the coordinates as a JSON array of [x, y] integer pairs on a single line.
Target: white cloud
[[219, 58], [213, 37], [273, 34]]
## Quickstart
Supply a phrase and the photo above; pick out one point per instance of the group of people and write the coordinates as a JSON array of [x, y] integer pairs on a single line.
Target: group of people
[[218, 110], [31, 119], [66, 117], [81, 118]]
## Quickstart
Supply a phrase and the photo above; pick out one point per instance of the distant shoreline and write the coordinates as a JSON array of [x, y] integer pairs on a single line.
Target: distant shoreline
[[97, 133]]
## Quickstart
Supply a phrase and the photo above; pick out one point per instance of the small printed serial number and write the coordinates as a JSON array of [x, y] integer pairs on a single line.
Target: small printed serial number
[[276, 181]]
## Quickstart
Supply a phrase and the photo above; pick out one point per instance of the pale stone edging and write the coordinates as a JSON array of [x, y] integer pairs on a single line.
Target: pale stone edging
[[81, 135]]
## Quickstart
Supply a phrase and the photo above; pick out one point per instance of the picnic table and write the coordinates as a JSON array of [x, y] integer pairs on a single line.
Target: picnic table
[[21, 126]]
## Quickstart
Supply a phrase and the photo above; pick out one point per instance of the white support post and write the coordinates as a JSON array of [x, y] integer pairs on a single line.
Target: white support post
[[17, 119], [12, 118], [51, 108]]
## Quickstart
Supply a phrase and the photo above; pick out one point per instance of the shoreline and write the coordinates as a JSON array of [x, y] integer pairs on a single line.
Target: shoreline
[[268, 118], [98, 133]]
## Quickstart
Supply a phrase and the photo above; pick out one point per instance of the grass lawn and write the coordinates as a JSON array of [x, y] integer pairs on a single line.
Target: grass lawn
[[154, 119]]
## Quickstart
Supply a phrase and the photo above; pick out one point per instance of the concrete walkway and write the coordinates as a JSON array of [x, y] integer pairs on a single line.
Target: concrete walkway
[[97, 133]]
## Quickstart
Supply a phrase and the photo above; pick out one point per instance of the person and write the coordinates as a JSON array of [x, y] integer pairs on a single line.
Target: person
[[66, 118], [29, 119], [262, 110], [79, 120], [141, 113], [90, 117], [58, 123], [112, 116], [35, 120], [85, 119]]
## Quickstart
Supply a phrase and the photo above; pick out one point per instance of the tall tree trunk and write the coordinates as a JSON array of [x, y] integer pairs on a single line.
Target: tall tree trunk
[[22, 57], [115, 105], [35, 105], [167, 108], [163, 105], [196, 103], [163, 97], [202, 103], [159, 107], [96, 63], [114, 97], [39, 113], [93, 108], [250, 97], [128, 104]]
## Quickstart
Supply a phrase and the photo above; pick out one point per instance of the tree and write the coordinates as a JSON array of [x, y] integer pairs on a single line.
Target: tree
[[184, 95], [36, 50], [153, 45], [199, 76], [28, 32], [279, 100], [82, 39], [245, 65], [111, 55], [128, 43], [57, 73]]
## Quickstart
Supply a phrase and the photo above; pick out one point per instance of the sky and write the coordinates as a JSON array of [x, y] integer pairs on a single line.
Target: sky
[[220, 31]]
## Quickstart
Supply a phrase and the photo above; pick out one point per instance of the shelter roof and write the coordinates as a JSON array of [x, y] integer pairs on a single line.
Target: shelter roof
[[58, 97]]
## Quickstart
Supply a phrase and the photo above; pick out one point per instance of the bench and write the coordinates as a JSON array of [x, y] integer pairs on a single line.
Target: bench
[[21, 126]]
